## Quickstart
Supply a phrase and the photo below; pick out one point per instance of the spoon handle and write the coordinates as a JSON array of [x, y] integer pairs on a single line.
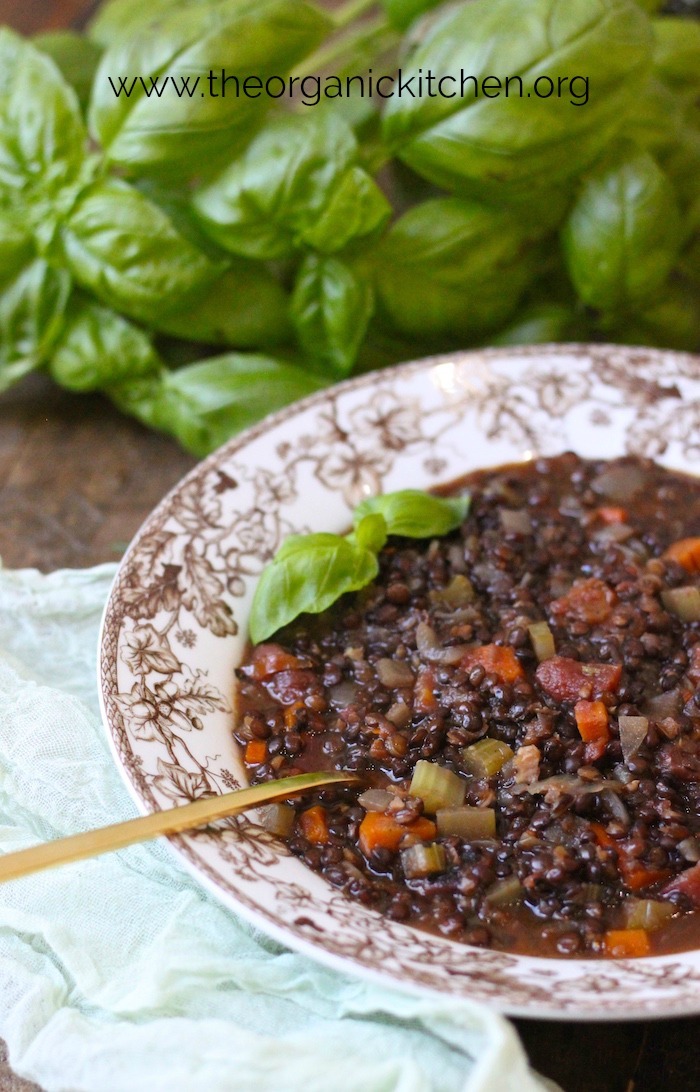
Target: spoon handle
[[90, 843]]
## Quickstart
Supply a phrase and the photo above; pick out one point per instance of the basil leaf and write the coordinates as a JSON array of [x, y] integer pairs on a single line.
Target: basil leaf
[[126, 250], [187, 126], [75, 56], [492, 145], [454, 267], [118, 19], [296, 185], [42, 136], [671, 319], [370, 532], [402, 13], [99, 349], [31, 315], [16, 249], [246, 307], [204, 404], [544, 323], [331, 308], [308, 580], [623, 235], [677, 54], [414, 514]]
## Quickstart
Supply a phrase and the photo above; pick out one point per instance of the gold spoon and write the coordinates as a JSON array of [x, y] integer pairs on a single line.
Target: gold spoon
[[172, 821]]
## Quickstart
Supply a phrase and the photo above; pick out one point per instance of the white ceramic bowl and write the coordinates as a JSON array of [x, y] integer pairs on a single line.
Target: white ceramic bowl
[[175, 629]]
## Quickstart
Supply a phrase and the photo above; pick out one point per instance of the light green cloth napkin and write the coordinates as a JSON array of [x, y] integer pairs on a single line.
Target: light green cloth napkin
[[120, 974]]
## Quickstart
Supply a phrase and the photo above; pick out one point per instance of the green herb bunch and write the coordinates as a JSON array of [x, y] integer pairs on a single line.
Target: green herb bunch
[[204, 260]]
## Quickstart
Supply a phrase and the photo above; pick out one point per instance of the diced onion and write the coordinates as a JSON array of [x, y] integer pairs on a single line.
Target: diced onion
[[633, 732], [683, 602], [690, 848], [516, 521], [375, 799], [458, 593], [430, 648], [663, 705], [619, 483], [276, 818], [394, 673]]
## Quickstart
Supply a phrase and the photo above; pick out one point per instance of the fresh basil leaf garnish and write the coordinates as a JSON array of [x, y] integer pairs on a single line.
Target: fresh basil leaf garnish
[[415, 514], [310, 572], [309, 580]]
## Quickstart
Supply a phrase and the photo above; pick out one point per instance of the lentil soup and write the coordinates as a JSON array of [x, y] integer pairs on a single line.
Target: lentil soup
[[520, 699]]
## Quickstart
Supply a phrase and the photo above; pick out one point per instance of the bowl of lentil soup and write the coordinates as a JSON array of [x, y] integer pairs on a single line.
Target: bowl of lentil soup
[[526, 830]]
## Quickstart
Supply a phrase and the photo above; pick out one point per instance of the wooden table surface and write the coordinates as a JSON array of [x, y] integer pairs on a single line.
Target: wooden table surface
[[76, 481]]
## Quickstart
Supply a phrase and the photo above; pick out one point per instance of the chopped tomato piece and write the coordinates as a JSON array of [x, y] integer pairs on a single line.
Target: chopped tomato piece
[[495, 660], [255, 752], [686, 552], [568, 680], [611, 513], [381, 831], [290, 687], [589, 601], [687, 883], [627, 943], [424, 699], [314, 825], [268, 659]]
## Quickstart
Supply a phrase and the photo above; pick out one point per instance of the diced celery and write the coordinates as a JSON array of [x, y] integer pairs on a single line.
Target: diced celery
[[436, 786], [485, 758], [505, 891], [422, 860], [542, 640], [466, 822], [647, 914], [458, 593], [683, 602], [277, 818]]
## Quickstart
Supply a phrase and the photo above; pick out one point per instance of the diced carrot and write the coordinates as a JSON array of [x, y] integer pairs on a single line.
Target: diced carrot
[[496, 660], [314, 825], [424, 699], [686, 552], [627, 943], [589, 601], [602, 837], [636, 876], [592, 721], [255, 752], [611, 513], [381, 831]]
